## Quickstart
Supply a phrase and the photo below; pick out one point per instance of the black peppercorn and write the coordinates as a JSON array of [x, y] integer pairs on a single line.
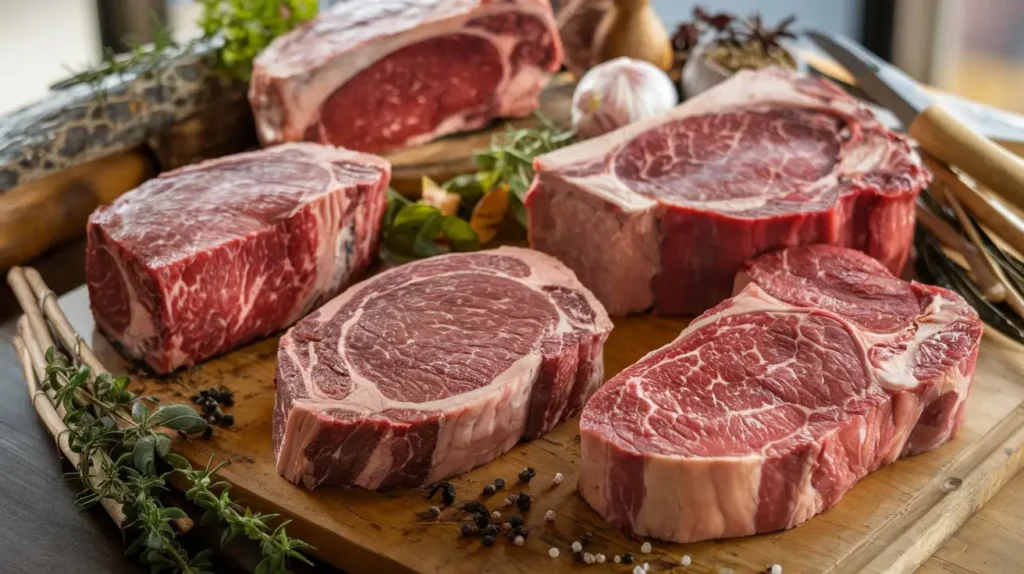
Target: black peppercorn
[[448, 494], [474, 507], [526, 474], [511, 535], [469, 530], [488, 489], [586, 538], [482, 520], [489, 530], [516, 521], [523, 501], [627, 558], [521, 531], [488, 541], [499, 483], [227, 420], [207, 433]]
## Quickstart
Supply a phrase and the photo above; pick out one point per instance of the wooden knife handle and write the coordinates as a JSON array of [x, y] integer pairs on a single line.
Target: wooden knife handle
[[944, 136]]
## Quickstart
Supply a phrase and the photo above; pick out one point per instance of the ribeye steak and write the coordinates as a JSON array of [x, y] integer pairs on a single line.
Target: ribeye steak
[[206, 258], [769, 407], [663, 212], [435, 367], [378, 75]]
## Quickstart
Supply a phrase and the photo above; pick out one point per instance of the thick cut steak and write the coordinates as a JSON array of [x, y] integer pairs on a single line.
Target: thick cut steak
[[433, 368], [769, 407], [663, 213], [203, 259], [378, 75]]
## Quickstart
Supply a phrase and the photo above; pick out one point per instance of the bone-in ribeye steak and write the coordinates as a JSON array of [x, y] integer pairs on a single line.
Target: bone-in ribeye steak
[[769, 407], [433, 368], [203, 259], [663, 212], [377, 75]]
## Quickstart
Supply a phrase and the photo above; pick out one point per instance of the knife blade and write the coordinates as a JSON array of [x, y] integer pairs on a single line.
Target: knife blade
[[938, 131]]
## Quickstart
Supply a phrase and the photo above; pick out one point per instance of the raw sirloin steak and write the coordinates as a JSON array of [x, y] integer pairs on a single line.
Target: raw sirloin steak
[[377, 75], [663, 213], [203, 259], [433, 368], [769, 407]]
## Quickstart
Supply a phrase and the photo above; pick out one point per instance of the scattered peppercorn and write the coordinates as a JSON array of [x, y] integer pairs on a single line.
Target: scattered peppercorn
[[447, 490], [686, 561], [488, 541], [558, 478], [600, 558], [482, 520], [488, 489], [627, 558], [523, 501], [499, 483], [506, 526], [553, 552], [526, 474], [588, 558], [434, 511], [638, 570], [495, 515], [209, 401], [515, 520], [511, 499], [469, 530], [577, 547], [645, 548], [549, 516], [617, 559], [511, 535], [519, 541], [474, 507], [587, 537], [489, 530], [775, 569], [207, 433]]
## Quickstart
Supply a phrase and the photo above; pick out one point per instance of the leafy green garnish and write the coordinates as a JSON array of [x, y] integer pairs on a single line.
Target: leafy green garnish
[[509, 160], [126, 457], [248, 26], [416, 230]]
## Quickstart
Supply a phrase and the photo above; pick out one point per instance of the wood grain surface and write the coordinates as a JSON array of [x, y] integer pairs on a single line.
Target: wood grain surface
[[891, 522]]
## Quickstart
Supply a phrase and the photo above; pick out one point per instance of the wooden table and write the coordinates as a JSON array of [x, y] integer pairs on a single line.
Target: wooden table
[[43, 531]]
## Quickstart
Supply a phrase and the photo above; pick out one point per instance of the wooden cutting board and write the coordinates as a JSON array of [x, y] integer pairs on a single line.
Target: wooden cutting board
[[892, 521]]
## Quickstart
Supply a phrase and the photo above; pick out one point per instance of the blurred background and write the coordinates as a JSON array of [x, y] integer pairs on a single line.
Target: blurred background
[[974, 48]]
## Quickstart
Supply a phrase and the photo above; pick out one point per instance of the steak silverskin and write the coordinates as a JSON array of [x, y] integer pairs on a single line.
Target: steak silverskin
[[204, 259], [375, 76], [769, 407], [435, 367], [764, 160]]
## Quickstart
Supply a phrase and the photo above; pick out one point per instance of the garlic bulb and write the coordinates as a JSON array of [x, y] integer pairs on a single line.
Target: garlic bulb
[[620, 92]]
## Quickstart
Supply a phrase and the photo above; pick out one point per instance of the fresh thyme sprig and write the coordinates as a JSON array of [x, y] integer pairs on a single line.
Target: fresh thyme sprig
[[126, 457]]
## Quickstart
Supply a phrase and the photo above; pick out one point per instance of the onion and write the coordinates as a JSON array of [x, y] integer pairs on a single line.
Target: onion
[[620, 92]]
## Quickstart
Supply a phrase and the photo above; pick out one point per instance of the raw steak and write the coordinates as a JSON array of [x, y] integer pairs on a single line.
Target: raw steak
[[378, 75], [206, 258], [768, 408], [433, 368], [663, 213]]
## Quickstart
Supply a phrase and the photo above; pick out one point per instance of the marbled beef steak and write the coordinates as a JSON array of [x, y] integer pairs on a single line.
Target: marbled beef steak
[[663, 213], [769, 407], [201, 260], [381, 74], [433, 368]]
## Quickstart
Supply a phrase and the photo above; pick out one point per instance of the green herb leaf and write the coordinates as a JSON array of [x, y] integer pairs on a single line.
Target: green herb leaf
[[425, 244], [144, 457], [178, 417], [139, 412], [459, 234]]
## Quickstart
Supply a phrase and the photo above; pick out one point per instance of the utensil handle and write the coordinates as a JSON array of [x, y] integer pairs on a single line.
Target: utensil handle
[[943, 135]]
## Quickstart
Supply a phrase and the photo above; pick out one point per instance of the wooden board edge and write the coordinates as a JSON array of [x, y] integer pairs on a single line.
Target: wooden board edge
[[949, 500]]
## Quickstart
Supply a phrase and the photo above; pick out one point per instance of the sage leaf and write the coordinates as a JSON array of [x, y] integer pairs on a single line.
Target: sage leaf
[[178, 417], [139, 412], [162, 445], [143, 457]]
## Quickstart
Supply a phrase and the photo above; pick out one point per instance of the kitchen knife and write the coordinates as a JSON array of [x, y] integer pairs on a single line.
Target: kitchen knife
[[937, 130]]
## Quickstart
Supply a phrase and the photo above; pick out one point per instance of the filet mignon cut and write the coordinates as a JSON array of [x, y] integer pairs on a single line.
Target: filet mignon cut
[[769, 407], [374, 76], [201, 260], [435, 367], [663, 212]]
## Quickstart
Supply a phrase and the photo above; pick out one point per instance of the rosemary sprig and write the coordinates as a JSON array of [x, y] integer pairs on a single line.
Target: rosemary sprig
[[126, 457]]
